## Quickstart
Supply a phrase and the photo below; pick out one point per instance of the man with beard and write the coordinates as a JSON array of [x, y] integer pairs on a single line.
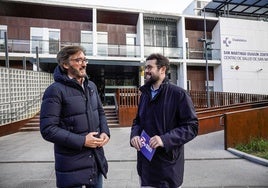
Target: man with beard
[[166, 113], [73, 119]]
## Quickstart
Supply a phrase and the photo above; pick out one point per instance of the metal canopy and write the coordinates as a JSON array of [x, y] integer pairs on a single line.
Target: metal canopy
[[92, 62], [252, 8]]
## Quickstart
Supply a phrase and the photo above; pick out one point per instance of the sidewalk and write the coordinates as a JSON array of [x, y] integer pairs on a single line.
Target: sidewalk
[[26, 161]]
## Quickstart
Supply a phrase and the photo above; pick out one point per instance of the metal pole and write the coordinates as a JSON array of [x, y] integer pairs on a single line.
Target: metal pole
[[6, 50], [37, 58], [206, 54], [24, 63]]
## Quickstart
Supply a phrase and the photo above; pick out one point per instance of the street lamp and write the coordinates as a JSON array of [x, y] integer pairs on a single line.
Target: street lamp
[[206, 44]]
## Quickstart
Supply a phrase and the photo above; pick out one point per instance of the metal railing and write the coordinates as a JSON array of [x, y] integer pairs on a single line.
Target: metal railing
[[118, 50], [52, 47], [198, 53], [218, 99], [130, 97], [44, 46], [103, 49], [173, 53]]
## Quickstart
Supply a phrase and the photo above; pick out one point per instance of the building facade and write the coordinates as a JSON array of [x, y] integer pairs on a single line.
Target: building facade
[[118, 40]]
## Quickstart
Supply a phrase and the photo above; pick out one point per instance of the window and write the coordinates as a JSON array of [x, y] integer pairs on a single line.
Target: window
[[54, 41], [148, 36], [36, 42], [131, 45], [189, 87], [160, 32], [3, 29], [102, 43], [47, 40], [87, 41], [160, 38]]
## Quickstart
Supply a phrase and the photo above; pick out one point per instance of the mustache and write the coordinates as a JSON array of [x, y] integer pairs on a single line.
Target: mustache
[[81, 68]]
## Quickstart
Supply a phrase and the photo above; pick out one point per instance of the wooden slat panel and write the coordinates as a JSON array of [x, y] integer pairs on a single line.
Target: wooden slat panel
[[241, 126]]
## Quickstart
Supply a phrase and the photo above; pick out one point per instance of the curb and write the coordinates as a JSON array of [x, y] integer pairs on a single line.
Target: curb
[[249, 157]]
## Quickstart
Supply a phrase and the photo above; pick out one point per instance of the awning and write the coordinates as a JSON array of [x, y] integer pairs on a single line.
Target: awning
[[93, 62], [251, 8]]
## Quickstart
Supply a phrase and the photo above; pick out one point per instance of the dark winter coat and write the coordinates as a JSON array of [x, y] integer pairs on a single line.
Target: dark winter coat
[[68, 114], [170, 115]]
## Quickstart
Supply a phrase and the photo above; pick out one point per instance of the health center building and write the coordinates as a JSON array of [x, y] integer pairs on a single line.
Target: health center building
[[220, 46]]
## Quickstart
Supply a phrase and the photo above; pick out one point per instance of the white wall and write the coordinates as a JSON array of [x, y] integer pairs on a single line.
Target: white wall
[[244, 53], [217, 68]]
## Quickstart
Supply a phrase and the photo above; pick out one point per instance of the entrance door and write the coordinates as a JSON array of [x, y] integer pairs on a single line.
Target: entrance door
[[109, 78]]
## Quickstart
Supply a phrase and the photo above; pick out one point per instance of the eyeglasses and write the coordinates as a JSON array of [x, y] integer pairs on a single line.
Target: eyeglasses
[[80, 60]]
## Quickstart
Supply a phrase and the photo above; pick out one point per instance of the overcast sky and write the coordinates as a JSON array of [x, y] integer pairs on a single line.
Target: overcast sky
[[171, 6], [159, 5]]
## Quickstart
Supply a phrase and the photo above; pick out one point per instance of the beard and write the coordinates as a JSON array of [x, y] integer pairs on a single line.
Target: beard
[[77, 73], [151, 79]]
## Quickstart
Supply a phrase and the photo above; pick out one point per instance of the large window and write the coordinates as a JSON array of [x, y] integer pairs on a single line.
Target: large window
[[47, 40], [160, 32]]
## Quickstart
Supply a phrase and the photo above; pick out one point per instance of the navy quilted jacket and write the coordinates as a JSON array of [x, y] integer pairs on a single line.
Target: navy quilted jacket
[[68, 113], [171, 115]]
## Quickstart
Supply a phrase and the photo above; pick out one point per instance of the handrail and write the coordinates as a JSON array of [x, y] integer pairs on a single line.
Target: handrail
[[253, 104]]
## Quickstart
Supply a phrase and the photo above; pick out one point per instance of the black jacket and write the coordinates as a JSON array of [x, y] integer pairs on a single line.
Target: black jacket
[[68, 113], [170, 115]]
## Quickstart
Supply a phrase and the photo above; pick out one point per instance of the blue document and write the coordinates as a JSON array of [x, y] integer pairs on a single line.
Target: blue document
[[146, 150]]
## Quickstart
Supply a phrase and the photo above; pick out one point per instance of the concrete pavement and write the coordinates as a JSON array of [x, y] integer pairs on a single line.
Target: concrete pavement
[[27, 161]]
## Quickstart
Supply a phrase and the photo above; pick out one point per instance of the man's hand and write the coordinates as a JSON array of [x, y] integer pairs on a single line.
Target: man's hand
[[155, 142], [92, 141], [105, 138], [136, 142]]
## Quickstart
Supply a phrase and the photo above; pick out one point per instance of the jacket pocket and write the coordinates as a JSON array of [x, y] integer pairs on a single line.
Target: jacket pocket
[[171, 156]]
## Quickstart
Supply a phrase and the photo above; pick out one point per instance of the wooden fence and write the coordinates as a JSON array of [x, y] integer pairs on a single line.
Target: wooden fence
[[127, 101]]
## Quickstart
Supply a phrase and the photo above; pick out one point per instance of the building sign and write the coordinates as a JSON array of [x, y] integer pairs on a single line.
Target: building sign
[[244, 40], [244, 55], [234, 55]]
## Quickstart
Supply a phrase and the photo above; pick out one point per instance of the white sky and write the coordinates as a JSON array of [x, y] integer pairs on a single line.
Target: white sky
[[171, 6], [158, 5]]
